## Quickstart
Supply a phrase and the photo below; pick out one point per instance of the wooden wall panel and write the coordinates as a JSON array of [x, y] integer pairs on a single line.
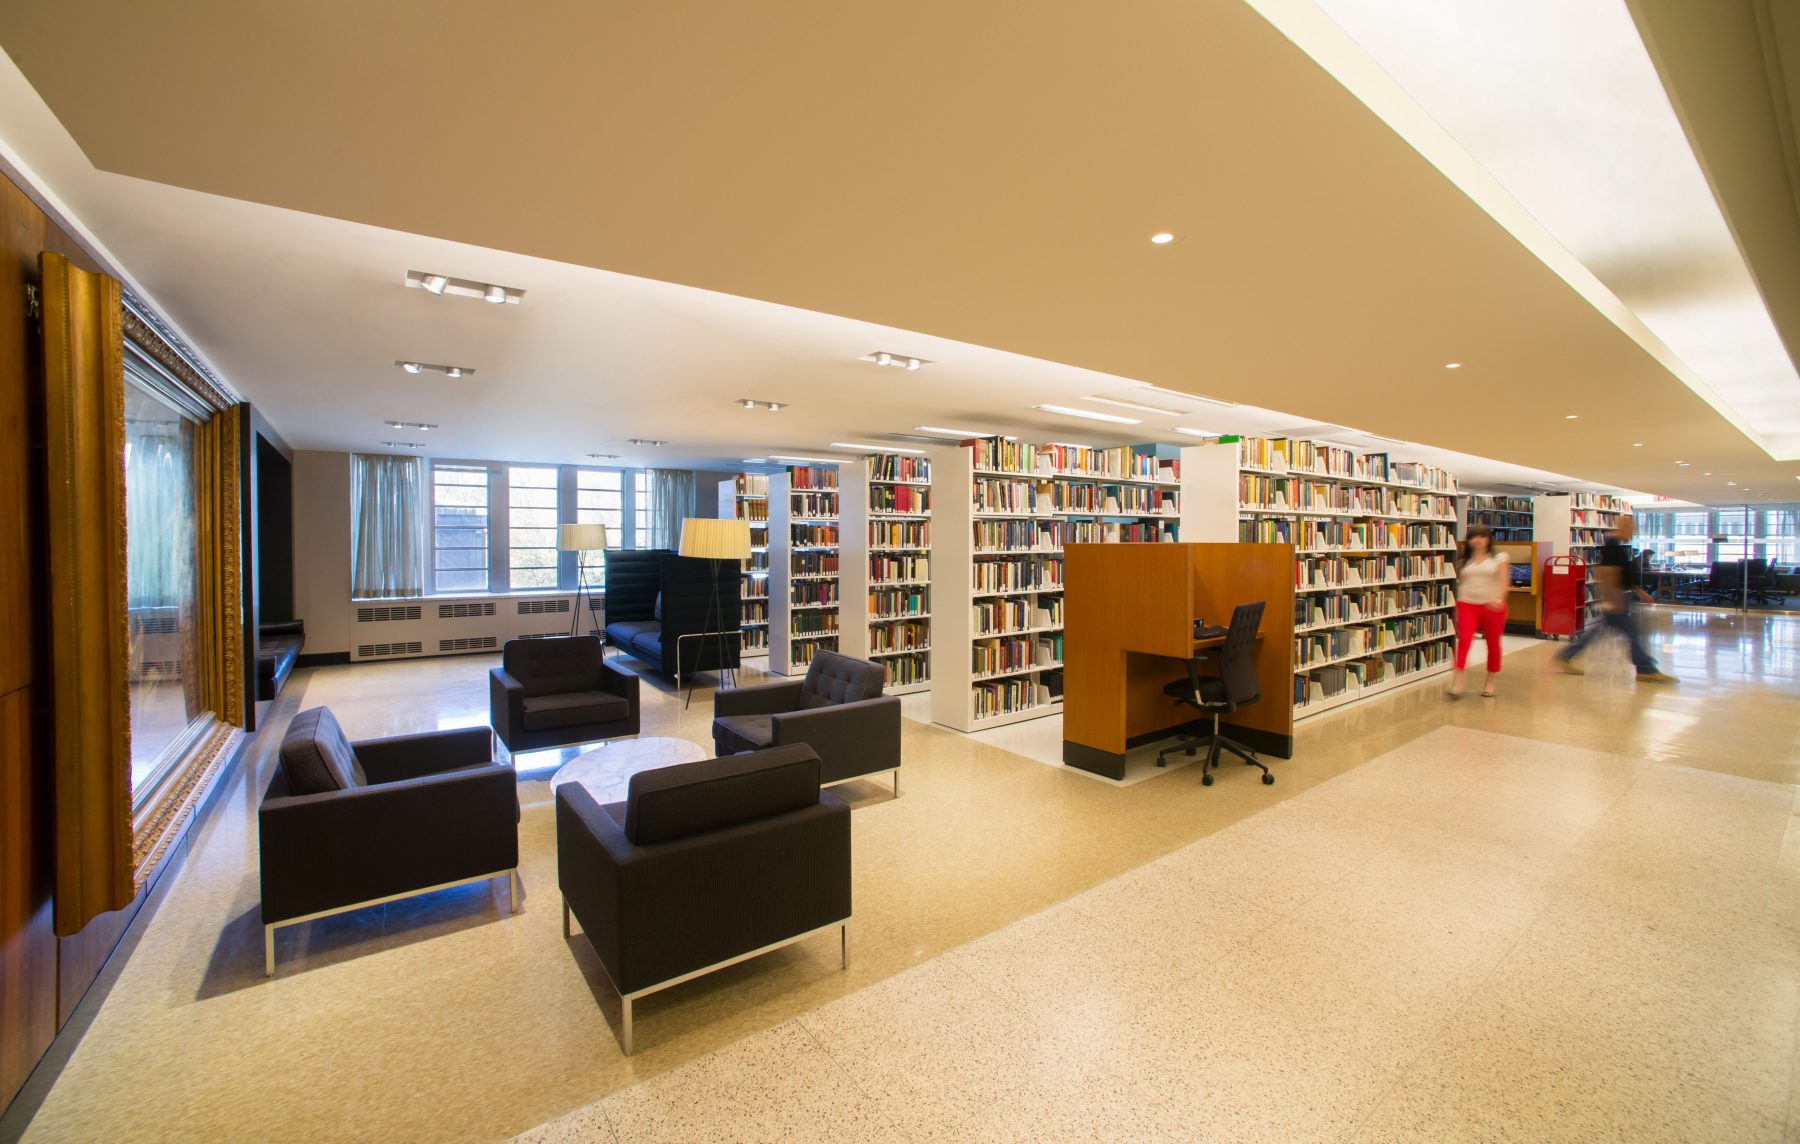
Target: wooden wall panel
[[28, 948]]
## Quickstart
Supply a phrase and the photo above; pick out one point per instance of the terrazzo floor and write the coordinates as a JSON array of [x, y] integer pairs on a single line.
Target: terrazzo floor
[[1570, 913]]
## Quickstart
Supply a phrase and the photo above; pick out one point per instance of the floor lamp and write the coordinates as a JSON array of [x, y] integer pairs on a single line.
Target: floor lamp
[[716, 541], [580, 539]]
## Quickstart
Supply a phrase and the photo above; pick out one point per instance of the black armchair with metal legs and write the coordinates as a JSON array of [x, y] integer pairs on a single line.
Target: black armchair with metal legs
[[1235, 686]]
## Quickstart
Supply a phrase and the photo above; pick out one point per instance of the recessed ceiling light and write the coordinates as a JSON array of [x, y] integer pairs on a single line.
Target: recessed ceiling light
[[454, 371], [1191, 396], [1570, 416], [1133, 405], [1706, 474], [758, 403], [1453, 365], [812, 460], [875, 448], [1196, 432], [1683, 464], [961, 434], [1733, 484], [1088, 414], [1162, 238], [1637, 444]]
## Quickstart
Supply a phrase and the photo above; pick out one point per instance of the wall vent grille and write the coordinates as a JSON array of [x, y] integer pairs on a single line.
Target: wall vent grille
[[368, 650], [464, 611], [387, 613], [542, 607], [469, 643]]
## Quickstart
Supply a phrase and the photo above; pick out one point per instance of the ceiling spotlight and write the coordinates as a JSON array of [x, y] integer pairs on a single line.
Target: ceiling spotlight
[[454, 371], [1162, 238], [1453, 365], [774, 407], [495, 294], [603, 456], [427, 367], [645, 441], [1637, 444], [411, 366], [434, 283], [913, 363], [747, 403], [1570, 416], [1706, 474], [875, 448], [1733, 484], [755, 403], [421, 426], [883, 357], [1089, 414], [1683, 464], [466, 287]]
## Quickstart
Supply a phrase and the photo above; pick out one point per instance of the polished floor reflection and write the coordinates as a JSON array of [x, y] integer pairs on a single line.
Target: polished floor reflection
[[1571, 912]]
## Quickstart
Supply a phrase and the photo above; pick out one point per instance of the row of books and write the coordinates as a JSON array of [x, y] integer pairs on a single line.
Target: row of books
[[900, 637], [813, 592], [899, 534], [1603, 502], [894, 467], [999, 454], [991, 657], [1123, 461], [758, 562], [884, 568], [751, 485], [1315, 535], [813, 505], [907, 669], [801, 652], [1299, 494], [813, 563], [1104, 499], [815, 535], [899, 498], [754, 511], [812, 623], [1330, 682], [1480, 502], [1026, 575], [801, 477], [887, 603], [1016, 613], [754, 639], [1355, 607], [1412, 629], [1008, 696], [1363, 571], [999, 494], [755, 611], [1290, 455]]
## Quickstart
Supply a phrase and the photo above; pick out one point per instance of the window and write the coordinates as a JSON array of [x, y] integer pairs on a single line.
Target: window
[[641, 511], [531, 527], [459, 528], [600, 499]]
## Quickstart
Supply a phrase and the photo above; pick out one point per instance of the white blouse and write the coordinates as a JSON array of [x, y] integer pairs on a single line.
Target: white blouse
[[1483, 581]]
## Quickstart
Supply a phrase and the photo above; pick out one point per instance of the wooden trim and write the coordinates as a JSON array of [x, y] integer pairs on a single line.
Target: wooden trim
[[84, 378]]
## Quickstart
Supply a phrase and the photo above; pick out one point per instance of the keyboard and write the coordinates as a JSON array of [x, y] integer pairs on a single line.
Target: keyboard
[[1209, 632]]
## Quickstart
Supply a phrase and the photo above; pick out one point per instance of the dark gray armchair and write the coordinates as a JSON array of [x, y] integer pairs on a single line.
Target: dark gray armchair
[[702, 866], [557, 690], [347, 825], [837, 709]]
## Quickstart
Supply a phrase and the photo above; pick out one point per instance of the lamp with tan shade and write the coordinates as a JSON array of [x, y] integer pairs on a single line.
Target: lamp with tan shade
[[580, 539], [717, 541]]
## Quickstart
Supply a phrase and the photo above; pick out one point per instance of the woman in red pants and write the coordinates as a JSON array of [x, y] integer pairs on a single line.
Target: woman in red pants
[[1481, 587]]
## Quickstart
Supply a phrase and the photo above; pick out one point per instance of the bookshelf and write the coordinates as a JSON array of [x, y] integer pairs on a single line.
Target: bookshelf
[[1575, 524], [747, 496], [885, 574], [1374, 577], [1002, 514], [1512, 519], [803, 566]]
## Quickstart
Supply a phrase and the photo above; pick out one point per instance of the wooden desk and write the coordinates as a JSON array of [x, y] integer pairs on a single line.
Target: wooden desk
[[1129, 629]]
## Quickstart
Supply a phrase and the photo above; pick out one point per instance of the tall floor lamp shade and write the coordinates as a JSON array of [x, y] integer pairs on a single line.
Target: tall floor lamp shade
[[580, 539], [717, 541]]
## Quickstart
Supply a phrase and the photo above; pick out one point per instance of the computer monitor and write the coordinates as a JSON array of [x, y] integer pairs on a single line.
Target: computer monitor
[[1520, 573]]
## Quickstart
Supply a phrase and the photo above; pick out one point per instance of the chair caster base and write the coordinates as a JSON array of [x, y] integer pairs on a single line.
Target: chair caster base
[[1268, 780], [1206, 780]]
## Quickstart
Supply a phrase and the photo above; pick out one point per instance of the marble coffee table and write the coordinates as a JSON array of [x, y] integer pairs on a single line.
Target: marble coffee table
[[607, 769]]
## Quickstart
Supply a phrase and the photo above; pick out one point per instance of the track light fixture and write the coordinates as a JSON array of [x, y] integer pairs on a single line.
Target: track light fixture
[[758, 403], [645, 441], [404, 444], [421, 426], [466, 287], [883, 357], [428, 367]]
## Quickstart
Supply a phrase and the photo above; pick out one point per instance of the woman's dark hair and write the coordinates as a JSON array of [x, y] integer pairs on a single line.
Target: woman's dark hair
[[1475, 530]]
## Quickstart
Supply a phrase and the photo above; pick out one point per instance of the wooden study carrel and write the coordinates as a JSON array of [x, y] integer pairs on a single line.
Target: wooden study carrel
[[1130, 612]]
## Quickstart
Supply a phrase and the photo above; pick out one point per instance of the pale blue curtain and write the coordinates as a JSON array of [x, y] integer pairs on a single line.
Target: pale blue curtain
[[389, 508], [671, 502]]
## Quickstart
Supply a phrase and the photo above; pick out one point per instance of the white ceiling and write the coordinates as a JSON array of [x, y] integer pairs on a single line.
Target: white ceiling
[[1327, 272], [1559, 101]]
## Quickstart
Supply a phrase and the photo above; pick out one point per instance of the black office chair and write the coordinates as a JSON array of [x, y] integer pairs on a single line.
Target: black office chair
[[1235, 686], [1763, 591]]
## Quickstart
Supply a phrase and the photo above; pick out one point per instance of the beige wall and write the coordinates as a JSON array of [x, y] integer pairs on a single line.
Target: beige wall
[[322, 549]]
